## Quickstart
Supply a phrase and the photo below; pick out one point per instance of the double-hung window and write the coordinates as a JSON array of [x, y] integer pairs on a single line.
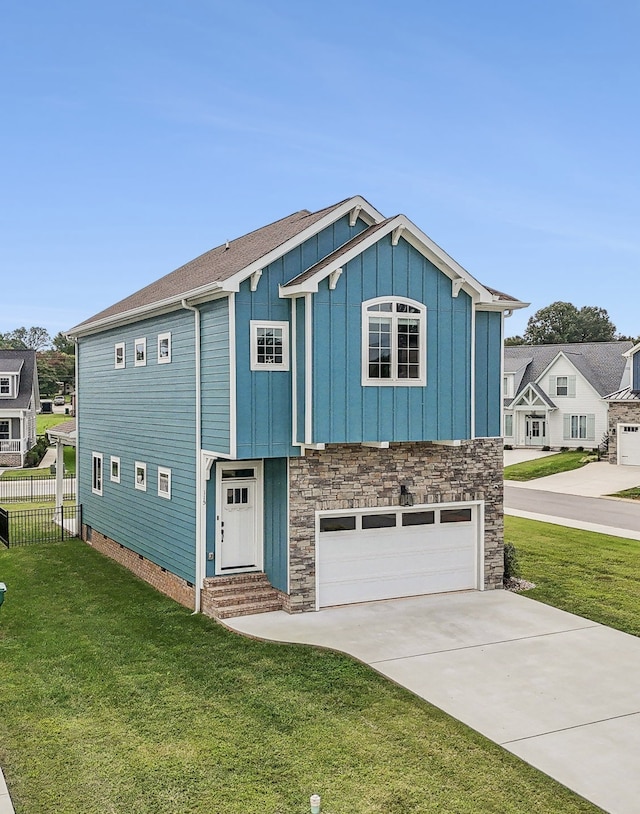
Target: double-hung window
[[394, 342], [5, 386], [4, 430], [562, 386]]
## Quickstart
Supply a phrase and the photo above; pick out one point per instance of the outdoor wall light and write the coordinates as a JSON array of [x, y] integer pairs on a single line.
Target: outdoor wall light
[[406, 498], [314, 800], [3, 590]]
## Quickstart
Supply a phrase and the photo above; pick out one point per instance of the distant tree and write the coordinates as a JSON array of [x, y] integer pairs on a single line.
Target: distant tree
[[63, 344], [514, 340], [563, 322], [26, 339], [55, 369], [48, 381]]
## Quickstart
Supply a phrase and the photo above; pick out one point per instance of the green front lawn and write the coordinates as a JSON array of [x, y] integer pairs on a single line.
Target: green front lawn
[[44, 421], [115, 699], [631, 494], [593, 575], [550, 465], [69, 457]]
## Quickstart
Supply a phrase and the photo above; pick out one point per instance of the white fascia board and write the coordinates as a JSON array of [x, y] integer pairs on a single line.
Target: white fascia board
[[632, 351], [201, 294], [503, 305], [368, 213]]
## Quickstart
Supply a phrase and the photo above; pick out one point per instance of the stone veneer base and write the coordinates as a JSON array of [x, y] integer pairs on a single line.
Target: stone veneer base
[[350, 476], [167, 583]]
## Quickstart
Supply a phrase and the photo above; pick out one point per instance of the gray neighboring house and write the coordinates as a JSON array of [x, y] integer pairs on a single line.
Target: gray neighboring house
[[624, 415], [556, 395], [19, 403]]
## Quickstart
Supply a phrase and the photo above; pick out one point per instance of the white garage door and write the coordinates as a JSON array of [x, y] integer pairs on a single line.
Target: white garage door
[[629, 435], [387, 553]]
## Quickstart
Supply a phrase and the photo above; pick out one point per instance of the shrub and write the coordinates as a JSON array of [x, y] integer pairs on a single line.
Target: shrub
[[508, 446], [579, 449], [36, 454], [546, 448], [511, 563]]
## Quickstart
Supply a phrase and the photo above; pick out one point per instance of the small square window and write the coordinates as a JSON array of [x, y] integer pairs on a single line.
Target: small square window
[[164, 348], [119, 355], [164, 482], [140, 352], [141, 476], [115, 469], [269, 345]]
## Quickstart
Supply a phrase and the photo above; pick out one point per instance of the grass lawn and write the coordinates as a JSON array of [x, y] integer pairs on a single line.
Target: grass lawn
[[633, 494], [115, 699], [69, 457], [44, 421], [593, 575], [550, 465]]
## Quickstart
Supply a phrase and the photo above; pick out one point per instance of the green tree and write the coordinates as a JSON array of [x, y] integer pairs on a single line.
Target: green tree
[[63, 344], [514, 340], [563, 322], [34, 338]]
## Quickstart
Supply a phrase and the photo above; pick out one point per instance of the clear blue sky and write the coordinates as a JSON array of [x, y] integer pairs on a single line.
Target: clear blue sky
[[137, 135]]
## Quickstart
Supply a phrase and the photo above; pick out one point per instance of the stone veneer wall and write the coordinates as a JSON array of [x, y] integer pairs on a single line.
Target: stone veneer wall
[[161, 579], [350, 476], [620, 412]]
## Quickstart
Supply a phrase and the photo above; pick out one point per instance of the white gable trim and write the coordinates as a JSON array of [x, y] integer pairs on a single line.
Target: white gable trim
[[632, 351], [545, 372], [422, 243]]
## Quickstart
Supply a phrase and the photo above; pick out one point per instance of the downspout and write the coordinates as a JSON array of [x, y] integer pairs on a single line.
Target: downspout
[[199, 499]]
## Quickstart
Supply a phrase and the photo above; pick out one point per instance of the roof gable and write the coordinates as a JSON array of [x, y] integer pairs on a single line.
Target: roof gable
[[22, 362], [602, 364]]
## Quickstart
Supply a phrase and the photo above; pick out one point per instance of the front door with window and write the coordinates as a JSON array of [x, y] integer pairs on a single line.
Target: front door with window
[[239, 526], [536, 431]]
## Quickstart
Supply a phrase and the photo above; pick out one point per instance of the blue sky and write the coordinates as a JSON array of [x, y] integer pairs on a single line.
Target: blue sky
[[136, 136]]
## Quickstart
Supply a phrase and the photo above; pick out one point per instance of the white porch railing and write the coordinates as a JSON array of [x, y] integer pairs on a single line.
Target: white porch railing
[[14, 445]]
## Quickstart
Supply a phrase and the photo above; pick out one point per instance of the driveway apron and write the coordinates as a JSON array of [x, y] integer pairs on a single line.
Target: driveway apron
[[558, 690]]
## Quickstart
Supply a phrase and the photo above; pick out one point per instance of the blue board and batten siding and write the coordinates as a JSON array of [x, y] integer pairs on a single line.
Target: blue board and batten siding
[[216, 380], [264, 402], [635, 382], [144, 414], [488, 343], [346, 412]]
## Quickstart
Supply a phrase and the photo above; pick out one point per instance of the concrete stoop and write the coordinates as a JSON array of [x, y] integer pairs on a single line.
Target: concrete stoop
[[239, 595]]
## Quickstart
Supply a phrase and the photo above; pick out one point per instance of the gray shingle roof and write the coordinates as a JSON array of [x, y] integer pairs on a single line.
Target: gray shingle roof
[[217, 264], [23, 361], [601, 363]]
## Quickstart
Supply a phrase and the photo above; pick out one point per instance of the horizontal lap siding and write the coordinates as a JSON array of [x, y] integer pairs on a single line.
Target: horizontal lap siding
[[346, 412], [142, 414], [264, 398], [215, 364], [488, 343]]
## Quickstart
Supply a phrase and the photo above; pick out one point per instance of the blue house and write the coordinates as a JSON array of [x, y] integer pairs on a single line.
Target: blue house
[[309, 415]]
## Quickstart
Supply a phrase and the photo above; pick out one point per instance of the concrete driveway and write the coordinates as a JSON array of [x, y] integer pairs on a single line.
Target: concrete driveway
[[559, 691], [596, 479]]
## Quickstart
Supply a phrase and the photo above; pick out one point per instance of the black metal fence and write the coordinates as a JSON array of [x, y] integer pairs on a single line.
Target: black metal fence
[[31, 526], [35, 489]]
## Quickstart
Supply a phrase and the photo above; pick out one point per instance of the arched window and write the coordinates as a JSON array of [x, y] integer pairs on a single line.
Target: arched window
[[394, 342]]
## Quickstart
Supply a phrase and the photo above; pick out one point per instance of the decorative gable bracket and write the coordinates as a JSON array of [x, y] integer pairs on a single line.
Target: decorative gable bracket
[[333, 278], [255, 279], [354, 214], [456, 286], [396, 235]]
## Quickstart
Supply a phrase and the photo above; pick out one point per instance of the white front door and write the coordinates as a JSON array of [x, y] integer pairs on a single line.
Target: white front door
[[239, 517], [536, 431]]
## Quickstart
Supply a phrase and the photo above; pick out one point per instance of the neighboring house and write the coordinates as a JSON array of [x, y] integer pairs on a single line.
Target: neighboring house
[[624, 415], [19, 403], [554, 395], [306, 416]]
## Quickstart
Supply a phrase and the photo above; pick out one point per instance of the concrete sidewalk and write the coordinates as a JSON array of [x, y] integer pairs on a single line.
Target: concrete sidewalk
[[559, 691], [6, 806]]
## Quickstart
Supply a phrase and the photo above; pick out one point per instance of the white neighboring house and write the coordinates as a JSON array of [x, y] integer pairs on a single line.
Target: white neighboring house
[[19, 403], [624, 416], [555, 395]]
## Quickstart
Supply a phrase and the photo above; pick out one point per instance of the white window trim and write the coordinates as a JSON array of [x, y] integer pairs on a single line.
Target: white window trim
[[11, 382], [394, 382], [254, 324], [114, 460], [119, 365], [163, 470], [140, 362], [508, 382], [508, 416], [164, 360], [97, 459], [142, 485]]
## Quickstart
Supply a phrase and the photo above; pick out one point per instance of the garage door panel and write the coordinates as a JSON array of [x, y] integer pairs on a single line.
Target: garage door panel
[[629, 435], [365, 565]]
